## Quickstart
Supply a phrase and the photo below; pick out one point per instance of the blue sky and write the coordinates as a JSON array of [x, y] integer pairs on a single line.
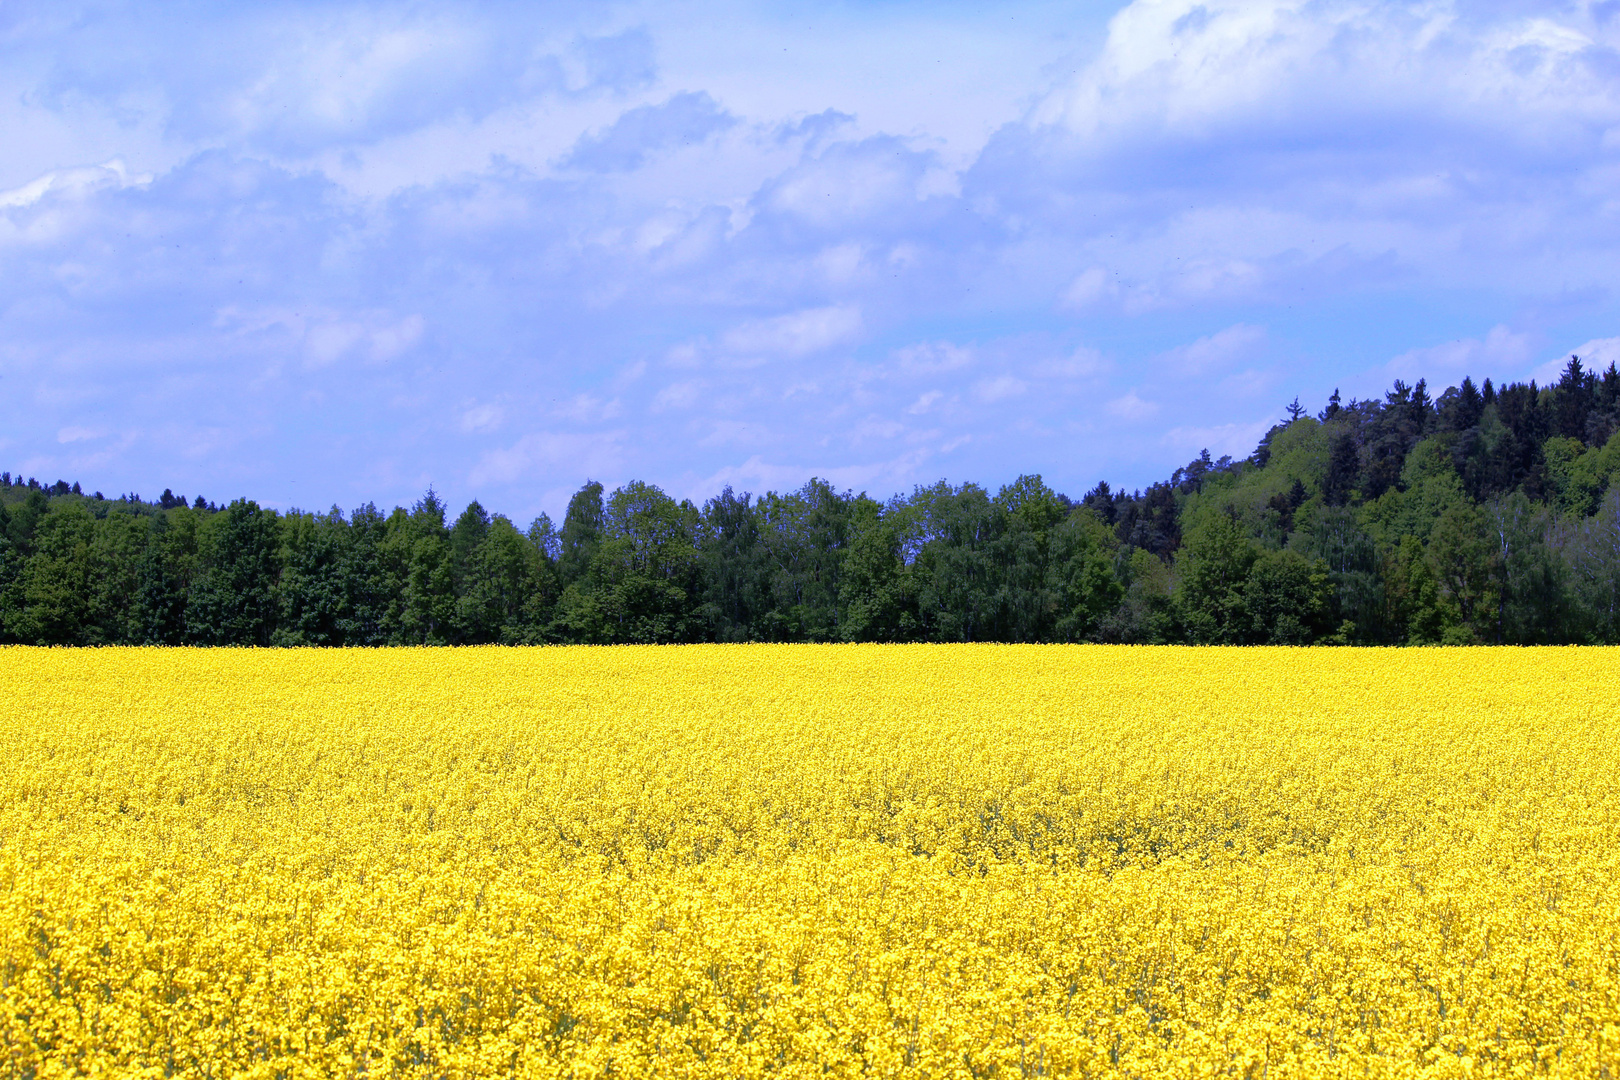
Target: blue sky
[[324, 253]]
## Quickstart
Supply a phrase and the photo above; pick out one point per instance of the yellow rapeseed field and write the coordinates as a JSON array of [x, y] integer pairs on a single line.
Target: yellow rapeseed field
[[738, 861]]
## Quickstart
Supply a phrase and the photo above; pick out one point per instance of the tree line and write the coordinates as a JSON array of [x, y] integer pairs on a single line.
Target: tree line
[[1486, 515]]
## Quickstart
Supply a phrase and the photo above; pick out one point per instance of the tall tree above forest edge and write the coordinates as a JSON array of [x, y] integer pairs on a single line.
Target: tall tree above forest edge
[[581, 532]]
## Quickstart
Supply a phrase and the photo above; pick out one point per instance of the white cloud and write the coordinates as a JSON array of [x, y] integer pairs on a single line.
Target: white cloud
[[876, 427], [589, 409], [755, 474], [876, 477], [1501, 353], [326, 335], [389, 341], [841, 263], [804, 227], [375, 337], [999, 388], [933, 357], [1208, 278], [1247, 383], [924, 402], [1185, 282], [1599, 353], [1091, 288], [1237, 440], [328, 342], [1595, 355], [854, 184], [684, 119], [800, 333], [538, 458], [72, 182], [688, 354], [677, 396], [1216, 352], [1083, 363], [1194, 66], [1132, 407], [481, 418]]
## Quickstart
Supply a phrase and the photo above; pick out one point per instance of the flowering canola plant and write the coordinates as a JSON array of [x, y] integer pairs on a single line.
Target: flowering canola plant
[[739, 861]]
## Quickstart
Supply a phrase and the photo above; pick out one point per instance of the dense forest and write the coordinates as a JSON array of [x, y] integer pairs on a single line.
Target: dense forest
[[1486, 515]]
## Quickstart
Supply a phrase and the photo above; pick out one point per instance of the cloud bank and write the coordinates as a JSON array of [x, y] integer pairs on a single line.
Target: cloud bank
[[324, 253]]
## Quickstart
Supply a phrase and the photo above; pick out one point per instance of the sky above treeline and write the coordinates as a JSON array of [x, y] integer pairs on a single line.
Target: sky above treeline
[[321, 253]]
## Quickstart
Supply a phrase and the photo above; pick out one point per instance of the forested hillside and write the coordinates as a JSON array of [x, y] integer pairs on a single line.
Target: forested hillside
[[1484, 515]]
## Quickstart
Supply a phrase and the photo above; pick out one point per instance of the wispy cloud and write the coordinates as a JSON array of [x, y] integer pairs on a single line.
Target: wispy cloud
[[999, 388], [1215, 352], [797, 334], [1131, 406], [1500, 350], [684, 120]]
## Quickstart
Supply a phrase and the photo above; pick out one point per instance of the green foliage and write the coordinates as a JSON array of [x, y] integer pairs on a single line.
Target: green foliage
[[1212, 568], [1532, 605], [1334, 538], [1595, 570], [879, 601], [499, 579], [1288, 599], [1577, 476], [425, 564], [233, 600], [163, 573], [645, 573], [11, 563], [1148, 613], [1415, 610], [1461, 556], [732, 567], [117, 545], [1298, 452], [581, 532], [956, 532], [1081, 577], [56, 582]]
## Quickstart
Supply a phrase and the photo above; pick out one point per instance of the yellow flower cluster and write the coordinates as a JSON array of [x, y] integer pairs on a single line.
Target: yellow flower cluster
[[738, 861]]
